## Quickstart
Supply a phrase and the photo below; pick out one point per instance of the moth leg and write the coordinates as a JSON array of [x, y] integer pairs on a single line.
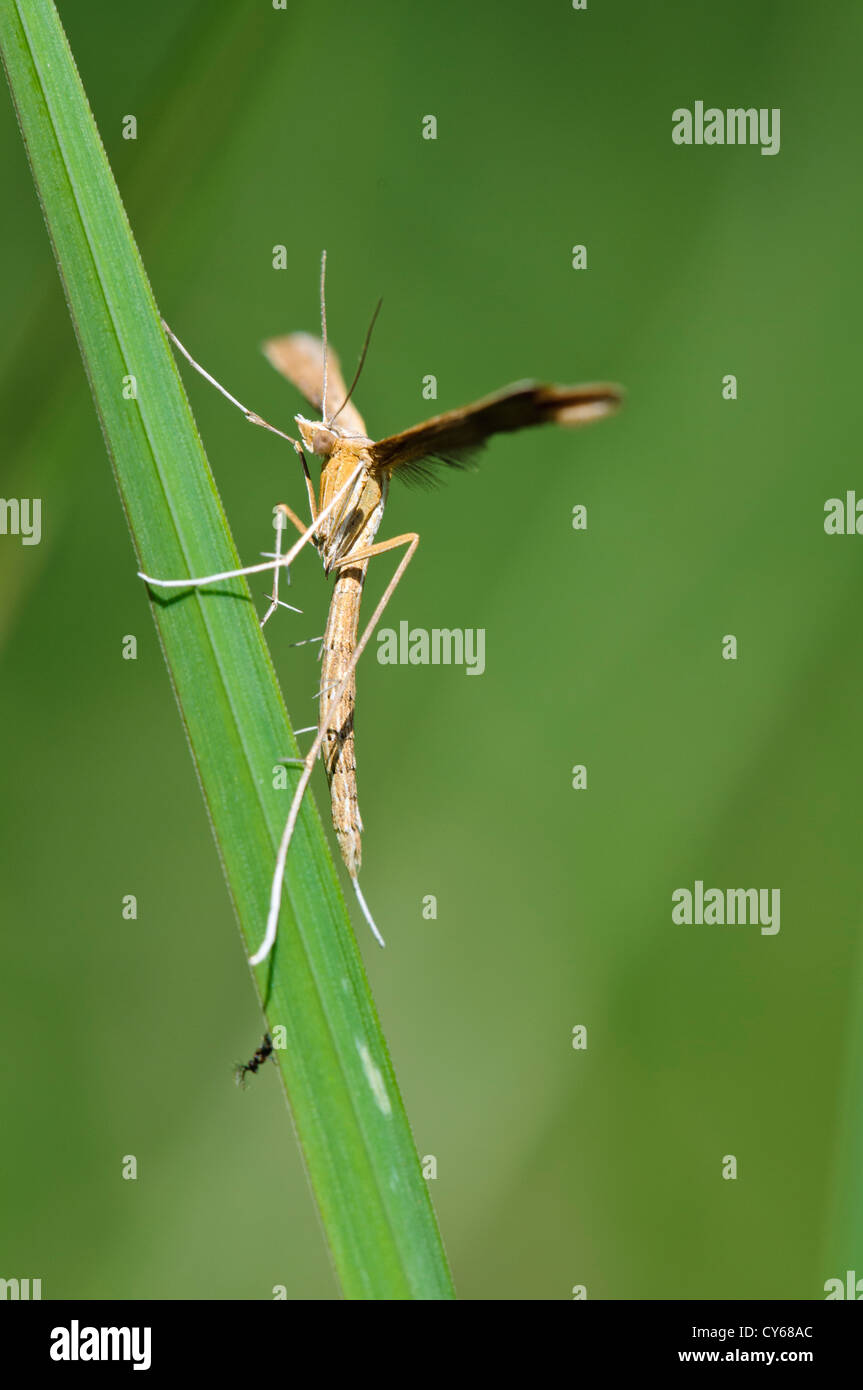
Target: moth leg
[[411, 540], [251, 415], [282, 562], [291, 515], [282, 511]]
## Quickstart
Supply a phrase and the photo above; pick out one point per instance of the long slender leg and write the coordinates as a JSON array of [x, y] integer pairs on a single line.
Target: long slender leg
[[251, 415], [282, 511], [411, 540], [291, 515], [277, 572], [283, 561]]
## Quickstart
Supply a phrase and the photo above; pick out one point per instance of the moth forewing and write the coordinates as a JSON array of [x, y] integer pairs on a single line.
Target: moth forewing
[[452, 437], [594, 407], [299, 357]]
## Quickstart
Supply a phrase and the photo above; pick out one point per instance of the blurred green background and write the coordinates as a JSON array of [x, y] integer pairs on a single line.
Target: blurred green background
[[556, 1167]]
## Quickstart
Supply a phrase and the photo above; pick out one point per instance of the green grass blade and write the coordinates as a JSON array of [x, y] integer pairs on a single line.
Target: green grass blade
[[347, 1110]]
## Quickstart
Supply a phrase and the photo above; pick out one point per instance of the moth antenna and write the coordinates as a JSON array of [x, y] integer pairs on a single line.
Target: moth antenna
[[324, 331], [365, 911], [360, 364]]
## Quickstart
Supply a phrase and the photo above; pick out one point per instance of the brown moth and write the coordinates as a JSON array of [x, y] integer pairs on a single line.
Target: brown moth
[[346, 512]]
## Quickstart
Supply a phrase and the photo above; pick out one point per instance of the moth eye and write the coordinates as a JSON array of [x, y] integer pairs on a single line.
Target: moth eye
[[324, 443]]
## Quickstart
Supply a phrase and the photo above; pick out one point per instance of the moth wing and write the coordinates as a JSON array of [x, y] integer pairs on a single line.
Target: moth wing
[[454, 437], [300, 358]]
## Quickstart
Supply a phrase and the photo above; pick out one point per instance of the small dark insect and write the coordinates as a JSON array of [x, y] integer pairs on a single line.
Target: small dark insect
[[264, 1051]]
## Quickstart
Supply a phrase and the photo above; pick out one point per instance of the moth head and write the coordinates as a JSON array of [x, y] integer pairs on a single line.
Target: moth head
[[317, 436]]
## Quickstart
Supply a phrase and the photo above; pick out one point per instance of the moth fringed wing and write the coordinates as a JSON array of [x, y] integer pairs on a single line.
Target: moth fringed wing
[[455, 437]]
